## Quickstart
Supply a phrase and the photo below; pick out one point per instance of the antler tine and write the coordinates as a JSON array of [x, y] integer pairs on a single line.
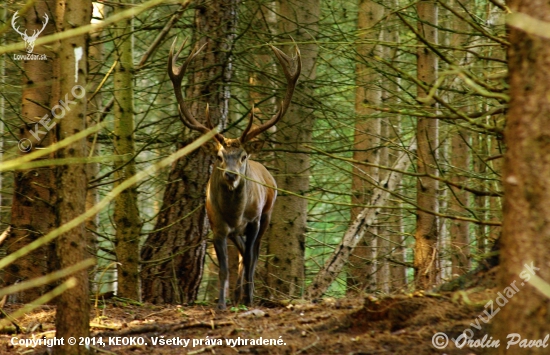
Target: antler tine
[[292, 66], [176, 75], [245, 132], [179, 50], [173, 69]]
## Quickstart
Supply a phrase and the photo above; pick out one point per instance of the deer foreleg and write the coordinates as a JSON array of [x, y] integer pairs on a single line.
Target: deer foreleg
[[220, 245], [250, 260], [239, 242]]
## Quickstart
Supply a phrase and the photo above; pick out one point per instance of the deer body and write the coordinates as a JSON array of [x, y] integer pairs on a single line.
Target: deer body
[[229, 210], [237, 209], [241, 193]]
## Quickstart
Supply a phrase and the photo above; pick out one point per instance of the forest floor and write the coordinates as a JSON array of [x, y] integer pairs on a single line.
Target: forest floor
[[399, 324]]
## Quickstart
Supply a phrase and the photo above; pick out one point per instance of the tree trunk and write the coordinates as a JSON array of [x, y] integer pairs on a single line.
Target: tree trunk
[[526, 225], [460, 241], [495, 203], [383, 247], [479, 164], [32, 209], [73, 306], [126, 213], [262, 94], [174, 252], [286, 236], [459, 202], [394, 229], [3, 38], [95, 76], [366, 144], [425, 253]]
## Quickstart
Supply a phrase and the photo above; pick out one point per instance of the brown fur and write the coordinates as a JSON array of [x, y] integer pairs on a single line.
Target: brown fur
[[239, 206]]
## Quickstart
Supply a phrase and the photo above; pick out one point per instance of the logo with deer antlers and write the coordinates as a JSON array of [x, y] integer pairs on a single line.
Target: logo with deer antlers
[[29, 40]]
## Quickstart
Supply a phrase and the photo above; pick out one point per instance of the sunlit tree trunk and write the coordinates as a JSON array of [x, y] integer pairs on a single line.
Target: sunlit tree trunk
[[526, 224], [3, 16], [95, 75], [286, 237], [495, 203], [32, 209], [459, 157], [383, 250], [394, 229], [262, 86], [425, 253], [126, 213], [73, 306], [495, 147], [366, 143], [175, 251]]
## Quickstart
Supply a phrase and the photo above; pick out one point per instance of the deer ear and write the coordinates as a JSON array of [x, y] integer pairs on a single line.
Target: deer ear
[[211, 147], [253, 146]]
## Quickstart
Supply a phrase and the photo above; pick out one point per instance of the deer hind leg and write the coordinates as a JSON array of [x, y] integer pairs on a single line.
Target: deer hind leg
[[250, 260], [220, 245], [264, 223]]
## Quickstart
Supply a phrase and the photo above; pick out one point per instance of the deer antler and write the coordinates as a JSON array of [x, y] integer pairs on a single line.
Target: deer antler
[[292, 66], [176, 75]]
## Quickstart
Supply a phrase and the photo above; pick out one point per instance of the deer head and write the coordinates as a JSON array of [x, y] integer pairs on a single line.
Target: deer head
[[29, 40]]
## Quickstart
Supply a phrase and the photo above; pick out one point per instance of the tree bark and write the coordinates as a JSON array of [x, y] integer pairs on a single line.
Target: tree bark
[[32, 209], [460, 240], [394, 229], [174, 252], [366, 143], [126, 212], [460, 160], [95, 76], [526, 225], [73, 306], [286, 236], [425, 253]]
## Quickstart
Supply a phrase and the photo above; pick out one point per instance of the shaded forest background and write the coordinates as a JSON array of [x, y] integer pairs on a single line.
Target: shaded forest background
[[360, 103]]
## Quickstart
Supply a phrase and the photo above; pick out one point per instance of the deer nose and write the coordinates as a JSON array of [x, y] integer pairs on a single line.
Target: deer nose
[[230, 176]]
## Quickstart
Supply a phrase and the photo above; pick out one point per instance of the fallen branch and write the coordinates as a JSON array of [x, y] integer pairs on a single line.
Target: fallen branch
[[335, 263]]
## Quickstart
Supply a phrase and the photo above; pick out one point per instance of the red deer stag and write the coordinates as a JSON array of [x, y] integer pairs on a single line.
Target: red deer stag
[[239, 199]]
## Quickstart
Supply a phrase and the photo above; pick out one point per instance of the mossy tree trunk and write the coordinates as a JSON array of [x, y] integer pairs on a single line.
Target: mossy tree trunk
[[126, 212], [32, 209], [73, 306], [425, 253], [366, 143], [286, 236], [174, 252], [526, 225]]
